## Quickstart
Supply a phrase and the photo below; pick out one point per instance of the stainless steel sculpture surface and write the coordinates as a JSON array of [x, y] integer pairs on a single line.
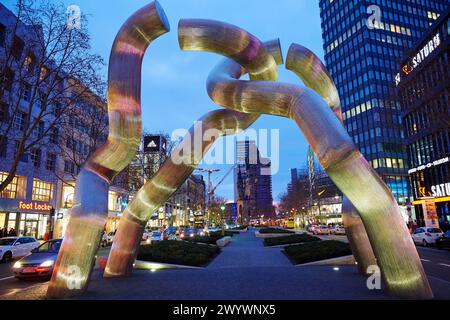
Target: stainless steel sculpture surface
[[316, 111], [308, 67], [88, 215]]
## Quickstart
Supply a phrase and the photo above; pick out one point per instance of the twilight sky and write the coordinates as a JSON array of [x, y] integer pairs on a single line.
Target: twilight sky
[[174, 82]]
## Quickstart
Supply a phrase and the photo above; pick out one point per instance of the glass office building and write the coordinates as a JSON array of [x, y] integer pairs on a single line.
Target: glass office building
[[363, 43]]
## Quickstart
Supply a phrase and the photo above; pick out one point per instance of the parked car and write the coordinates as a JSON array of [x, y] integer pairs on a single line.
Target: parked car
[[311, 227], [107, 239], [426, 235], [319, 230], [338, 230], [443, 242], [187, 233], [146, 234], [38, 264], [16, 247], [156, 236]]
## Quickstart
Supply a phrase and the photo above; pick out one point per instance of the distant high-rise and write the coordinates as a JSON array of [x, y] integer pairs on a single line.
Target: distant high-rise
[[363, 41], [253, 183]]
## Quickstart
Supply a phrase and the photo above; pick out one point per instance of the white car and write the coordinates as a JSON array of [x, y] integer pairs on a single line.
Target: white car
[[339, 231], [426, 235], [16, 247], [322, 230]]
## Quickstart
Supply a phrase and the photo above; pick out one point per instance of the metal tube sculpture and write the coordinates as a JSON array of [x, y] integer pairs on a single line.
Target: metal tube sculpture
[[308, 67], [394, 249], [170, 176], [88, 215]]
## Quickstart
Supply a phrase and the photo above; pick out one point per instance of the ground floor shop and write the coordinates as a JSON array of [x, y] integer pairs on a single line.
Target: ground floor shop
[[26, 218]]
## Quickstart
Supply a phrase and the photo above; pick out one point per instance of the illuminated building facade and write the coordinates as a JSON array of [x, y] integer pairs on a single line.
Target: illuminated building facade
[[424, 91]]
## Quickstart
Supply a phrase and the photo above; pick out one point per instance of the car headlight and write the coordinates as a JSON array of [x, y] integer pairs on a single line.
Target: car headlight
[[47, 263], [17, 265]]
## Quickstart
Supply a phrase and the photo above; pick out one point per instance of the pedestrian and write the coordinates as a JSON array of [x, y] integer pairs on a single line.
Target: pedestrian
[[1, 233], [12, 233]]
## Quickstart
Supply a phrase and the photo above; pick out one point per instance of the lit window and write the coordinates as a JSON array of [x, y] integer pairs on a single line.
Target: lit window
[[67, 196], [11, 189], [42, 191]]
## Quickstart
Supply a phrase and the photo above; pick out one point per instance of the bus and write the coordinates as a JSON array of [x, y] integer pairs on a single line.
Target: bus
[[290, 223]]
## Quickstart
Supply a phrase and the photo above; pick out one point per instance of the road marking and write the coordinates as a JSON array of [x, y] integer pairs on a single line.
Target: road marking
[[7, 278], [442, 280], [445, 265], [426, 260]]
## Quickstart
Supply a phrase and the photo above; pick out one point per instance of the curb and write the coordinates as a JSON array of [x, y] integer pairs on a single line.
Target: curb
[[344, 260], [148, 265]]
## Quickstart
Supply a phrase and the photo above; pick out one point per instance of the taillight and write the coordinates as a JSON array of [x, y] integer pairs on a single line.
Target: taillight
[[428, 234]]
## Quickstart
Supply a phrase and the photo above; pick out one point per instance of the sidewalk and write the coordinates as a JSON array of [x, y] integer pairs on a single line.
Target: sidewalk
[[245, 270]]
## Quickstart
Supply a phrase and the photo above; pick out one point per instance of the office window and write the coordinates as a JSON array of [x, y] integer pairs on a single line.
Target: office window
[[54, 133], [69, 167], [10, 191], [42, 191], [9, 79], [51, 162], [17, 47], [30, 63], [35, 156], [4, 112], [26, 91], [2, 34], [3, 146], [19, 120]]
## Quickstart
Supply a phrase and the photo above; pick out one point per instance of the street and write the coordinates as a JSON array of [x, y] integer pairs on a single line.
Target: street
[[11, 285]]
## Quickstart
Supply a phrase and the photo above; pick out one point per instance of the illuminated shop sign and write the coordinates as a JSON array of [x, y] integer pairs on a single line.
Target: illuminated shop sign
[[441, 190], [34, 206], [419, 57], [429, 165]]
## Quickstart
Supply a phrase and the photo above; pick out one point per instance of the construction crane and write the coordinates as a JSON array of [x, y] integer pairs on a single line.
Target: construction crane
[[211, 192], [211, 188]]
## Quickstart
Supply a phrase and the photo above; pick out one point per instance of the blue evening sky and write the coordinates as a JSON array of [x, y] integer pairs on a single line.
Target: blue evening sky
[[173, 84]]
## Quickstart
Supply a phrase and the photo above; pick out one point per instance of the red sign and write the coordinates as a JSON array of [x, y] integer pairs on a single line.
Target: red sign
[[34, 206]]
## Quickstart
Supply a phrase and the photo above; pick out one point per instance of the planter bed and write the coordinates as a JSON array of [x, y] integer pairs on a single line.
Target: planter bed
[[290, 239], [316, 251], [178, 252]]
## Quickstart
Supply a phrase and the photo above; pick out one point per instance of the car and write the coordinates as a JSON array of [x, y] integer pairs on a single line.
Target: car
[[16, 247], [146, 234], [338, 230], [443, 242], [426, 235], [107, 239], [38, 264], [188, 233], [311, 227], [156, 236], [212, 229], [320, 230]]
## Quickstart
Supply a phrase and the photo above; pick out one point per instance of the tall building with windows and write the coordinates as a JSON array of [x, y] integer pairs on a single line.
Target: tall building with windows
[[363, 41], [424, 91], [253, 183]]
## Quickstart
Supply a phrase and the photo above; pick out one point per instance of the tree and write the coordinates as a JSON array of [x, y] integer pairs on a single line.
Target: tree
[[215, 209], [46, 69]]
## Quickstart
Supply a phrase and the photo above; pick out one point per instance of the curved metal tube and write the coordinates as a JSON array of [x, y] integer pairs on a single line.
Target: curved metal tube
[[170, 176], [357, 237], [396, 254], [88, 215], [310, 69]]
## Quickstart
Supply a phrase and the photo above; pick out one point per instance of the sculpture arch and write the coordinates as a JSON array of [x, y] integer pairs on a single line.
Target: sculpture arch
[[244, 101]]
